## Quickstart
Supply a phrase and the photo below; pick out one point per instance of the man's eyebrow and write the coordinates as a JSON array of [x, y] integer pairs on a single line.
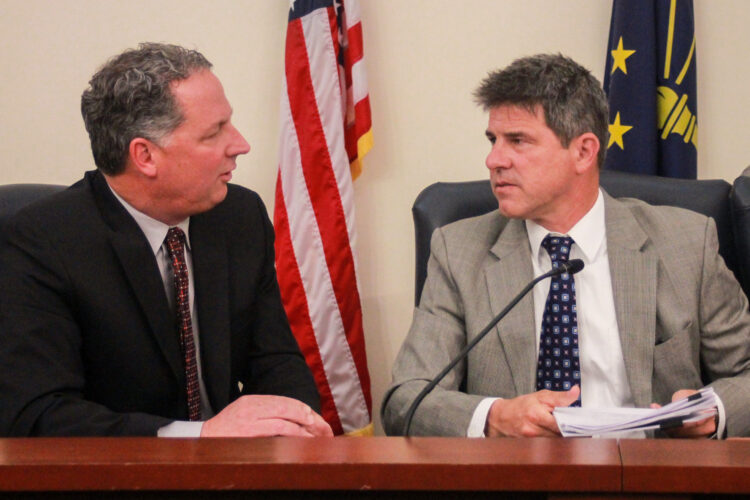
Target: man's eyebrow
[[513, 134], [217, 125], [214, 128], [226, 119]]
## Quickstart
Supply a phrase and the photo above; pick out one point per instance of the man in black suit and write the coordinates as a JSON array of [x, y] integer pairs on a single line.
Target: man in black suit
[[108, 329]]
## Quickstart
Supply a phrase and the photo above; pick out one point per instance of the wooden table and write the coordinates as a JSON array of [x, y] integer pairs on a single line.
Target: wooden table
[[686, 466], [370, 467]]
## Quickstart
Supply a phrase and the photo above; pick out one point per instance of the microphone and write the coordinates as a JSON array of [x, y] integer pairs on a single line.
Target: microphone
[[570, 267]]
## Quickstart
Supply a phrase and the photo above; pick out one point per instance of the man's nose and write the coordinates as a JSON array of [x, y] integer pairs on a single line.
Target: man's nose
[[497, 158], [238, 145]]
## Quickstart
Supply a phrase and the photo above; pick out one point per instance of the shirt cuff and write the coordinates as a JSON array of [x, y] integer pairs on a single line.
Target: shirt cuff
[[181, 429], [479, 418]]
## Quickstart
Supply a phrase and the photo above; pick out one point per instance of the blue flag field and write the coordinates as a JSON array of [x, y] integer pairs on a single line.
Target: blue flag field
[[650, 83]]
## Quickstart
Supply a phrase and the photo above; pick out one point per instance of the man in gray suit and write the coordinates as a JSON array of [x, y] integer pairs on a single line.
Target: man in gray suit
[[655, 314]]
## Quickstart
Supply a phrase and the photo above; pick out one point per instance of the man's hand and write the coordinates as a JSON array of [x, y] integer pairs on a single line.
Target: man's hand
[[256, 416], [700, 429], [529, 415]]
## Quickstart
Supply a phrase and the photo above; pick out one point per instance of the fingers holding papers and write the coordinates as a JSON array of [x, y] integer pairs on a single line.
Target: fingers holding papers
[[529, 415], [699, 429]]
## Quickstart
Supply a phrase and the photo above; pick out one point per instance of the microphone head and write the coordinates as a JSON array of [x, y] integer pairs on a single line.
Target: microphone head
[[572, 266]]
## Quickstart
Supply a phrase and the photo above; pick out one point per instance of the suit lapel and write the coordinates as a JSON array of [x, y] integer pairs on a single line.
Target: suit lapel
[[141, 271], [504, 278], [634, 273], [210, 266]]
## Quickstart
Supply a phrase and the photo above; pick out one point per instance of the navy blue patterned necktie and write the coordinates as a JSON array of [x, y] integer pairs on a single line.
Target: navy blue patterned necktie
[[558, 368]]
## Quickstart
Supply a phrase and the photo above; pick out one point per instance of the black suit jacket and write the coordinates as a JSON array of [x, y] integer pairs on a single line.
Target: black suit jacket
[[88, 344]]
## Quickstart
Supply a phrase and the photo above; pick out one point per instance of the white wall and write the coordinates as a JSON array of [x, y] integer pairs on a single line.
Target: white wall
[[424, 58]]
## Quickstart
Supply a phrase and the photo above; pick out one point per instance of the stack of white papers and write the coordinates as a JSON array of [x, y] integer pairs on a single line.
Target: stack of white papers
[[586, 422]]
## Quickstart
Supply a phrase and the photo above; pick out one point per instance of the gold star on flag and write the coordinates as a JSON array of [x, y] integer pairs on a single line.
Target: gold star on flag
[[616, 131], [619, 55]]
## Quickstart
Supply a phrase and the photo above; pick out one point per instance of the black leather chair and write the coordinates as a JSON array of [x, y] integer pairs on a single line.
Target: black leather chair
[[740, 210], [13, 197], [442, 203]]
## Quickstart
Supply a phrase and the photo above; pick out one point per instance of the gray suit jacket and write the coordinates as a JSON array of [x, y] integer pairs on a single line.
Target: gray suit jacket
[[682, 317]]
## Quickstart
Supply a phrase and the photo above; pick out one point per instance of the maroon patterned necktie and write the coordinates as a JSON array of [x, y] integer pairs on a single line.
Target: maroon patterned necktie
[[176, 249]]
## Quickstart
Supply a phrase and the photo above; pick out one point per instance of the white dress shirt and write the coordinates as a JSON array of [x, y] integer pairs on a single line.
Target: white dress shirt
[[156, 232], [604, 382]]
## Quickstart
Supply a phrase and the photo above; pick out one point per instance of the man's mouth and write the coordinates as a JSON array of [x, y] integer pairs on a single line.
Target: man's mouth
[[227, 176]]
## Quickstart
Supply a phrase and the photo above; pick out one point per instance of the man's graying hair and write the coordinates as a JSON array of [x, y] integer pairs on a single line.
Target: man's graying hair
[[572, 99], [130, 97]]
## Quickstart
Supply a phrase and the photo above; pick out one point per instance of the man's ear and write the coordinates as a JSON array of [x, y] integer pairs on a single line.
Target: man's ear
[[585, 149], [144, 155]]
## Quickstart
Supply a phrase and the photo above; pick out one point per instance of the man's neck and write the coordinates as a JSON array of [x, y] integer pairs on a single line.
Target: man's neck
[[578, 205], [139, 197]]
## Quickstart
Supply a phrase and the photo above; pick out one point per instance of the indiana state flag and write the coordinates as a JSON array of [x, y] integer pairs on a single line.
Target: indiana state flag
[[650, 82]]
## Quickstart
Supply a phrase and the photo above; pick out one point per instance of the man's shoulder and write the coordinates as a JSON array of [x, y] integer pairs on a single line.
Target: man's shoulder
[[660, 217], [240, 219], [238, 196], [482, 230], [491, 221], [239, 203], [669, 229], [470, 241]]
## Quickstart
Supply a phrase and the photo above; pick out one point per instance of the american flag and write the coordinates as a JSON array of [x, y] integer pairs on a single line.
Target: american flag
[[325, 132]]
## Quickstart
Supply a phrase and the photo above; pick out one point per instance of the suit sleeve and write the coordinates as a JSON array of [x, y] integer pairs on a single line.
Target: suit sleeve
[[42, 376], [276, 364], [725, 336], [436, 336]]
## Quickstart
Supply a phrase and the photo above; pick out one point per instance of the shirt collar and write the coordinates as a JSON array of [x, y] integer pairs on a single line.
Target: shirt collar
[[154, 230], [588, 233]]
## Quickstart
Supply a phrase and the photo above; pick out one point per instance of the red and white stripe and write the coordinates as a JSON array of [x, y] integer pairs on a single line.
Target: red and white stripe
[[314, 218], [358, 119]]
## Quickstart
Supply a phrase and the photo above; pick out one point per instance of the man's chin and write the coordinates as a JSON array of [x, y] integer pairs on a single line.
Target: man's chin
[[220, 194], [511, 211]]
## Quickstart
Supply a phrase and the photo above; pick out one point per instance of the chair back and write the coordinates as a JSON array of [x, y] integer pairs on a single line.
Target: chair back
[[13, 197], [740, 210], [445, 202]]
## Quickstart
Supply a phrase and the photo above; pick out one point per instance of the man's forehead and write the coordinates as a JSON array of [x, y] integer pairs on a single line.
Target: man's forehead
[[517, 111], [195, 72], [195, 84], [201, 93]]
